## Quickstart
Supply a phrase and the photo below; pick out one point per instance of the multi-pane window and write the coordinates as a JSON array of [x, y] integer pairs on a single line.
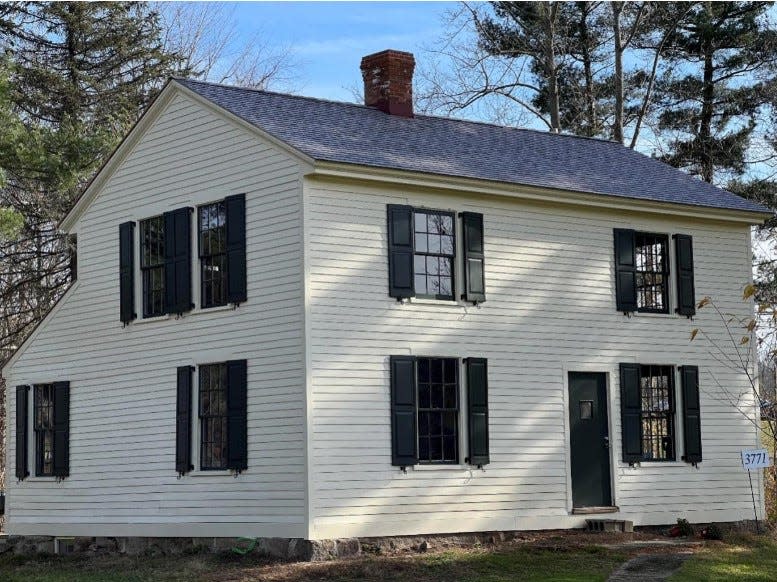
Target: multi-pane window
[[44, 429], [657, 397], [213, 254], [438, 410], [213, 416], [652, 272], [435, 251], [152, 265]]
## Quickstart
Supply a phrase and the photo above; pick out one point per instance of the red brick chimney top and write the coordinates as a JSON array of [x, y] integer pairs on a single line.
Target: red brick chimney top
[[388, 82]]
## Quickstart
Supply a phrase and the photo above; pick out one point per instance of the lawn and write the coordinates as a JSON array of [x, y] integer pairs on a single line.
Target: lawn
[[747, 559], [557, 558], [474, 565]]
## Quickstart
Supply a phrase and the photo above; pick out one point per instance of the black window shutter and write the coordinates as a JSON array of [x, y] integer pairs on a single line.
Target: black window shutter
[[400, 250], [686, 295], [474, 271], [183, 421], [404, 438], [477, 410], [178, 260], [61, 429], [237, 422], [625, 270], [689, 376], [127, 271], [22, 443], [236, 248], [631, 413]]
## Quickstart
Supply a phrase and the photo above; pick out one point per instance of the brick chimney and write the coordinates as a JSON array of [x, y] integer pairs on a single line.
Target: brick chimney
[[388, 82]]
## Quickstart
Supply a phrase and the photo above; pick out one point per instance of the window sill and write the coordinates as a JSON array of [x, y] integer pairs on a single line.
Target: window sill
[[638, 314], [193, 312], [32, 479], [198, 473], [429, 301], [142, 320], [656, 464], [443, 467], [204, 310]]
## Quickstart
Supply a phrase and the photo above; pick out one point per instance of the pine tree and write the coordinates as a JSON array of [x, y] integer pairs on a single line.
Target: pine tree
[[712, 90]]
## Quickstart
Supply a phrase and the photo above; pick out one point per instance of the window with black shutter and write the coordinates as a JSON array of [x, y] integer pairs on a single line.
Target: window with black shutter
[[426, 411], [222, 251], [222, 396], [422, 257], [648, 412], [51, 428]]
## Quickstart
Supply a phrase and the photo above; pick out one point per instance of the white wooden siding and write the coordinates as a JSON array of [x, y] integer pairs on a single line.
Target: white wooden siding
[[122, 432], [550, 310]]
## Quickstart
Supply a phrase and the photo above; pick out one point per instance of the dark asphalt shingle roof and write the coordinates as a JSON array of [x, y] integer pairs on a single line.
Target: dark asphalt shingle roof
[[355, 134]]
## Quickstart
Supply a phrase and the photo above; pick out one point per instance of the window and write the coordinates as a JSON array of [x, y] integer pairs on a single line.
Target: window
[[213, 254], [152, 265], [438, 410], [213, 416], [44, 430], [652, 272], [657, 403], [434, 254]]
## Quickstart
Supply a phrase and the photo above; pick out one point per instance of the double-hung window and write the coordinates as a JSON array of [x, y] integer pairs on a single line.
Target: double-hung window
[[434, 254], [213, 416], [220, 405], [658, 409], [652, 272], [430, 414], [43, 407], [423, 258], [212, 221], [152, 265], [438, 410]]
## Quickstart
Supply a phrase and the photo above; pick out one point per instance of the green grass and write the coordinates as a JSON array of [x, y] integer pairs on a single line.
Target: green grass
[[749, 559], [474, 565]]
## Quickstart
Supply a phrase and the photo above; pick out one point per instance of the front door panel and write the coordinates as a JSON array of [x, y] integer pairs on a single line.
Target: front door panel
[[589, 440]]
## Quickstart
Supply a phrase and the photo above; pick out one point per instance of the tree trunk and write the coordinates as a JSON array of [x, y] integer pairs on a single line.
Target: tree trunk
[[707, 166], [550, 11], [617, 128], [590, 102]]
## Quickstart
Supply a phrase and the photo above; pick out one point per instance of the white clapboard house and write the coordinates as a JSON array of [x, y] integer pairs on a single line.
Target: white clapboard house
[[307, 319]]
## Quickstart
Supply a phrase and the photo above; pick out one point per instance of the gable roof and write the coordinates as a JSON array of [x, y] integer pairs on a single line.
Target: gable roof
[[355, 134]]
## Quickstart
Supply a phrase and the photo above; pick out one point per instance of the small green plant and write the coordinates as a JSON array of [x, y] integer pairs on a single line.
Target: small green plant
[[686, 529]]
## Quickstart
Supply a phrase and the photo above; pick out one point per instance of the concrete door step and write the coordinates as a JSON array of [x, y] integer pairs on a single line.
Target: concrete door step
[[610, 525]]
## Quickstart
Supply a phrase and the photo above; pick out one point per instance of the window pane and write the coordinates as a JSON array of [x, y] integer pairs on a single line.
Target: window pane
[[656, 397], [434, 243], [438, 414], [212, 414], [651, 263], [213, 261]]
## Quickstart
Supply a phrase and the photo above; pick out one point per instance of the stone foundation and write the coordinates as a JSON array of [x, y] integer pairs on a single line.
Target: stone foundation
[[280, 548]]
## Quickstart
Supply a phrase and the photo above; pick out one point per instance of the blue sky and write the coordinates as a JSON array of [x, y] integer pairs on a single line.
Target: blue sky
[[328, 39]]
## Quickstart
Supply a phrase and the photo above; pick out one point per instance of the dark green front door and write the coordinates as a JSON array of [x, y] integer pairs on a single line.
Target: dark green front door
[[589, 440]]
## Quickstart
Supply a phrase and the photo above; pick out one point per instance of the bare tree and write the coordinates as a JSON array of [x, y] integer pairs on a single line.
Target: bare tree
[[205, 34]]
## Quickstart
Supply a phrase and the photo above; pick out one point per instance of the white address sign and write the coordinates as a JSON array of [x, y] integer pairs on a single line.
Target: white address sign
[[755, 459]]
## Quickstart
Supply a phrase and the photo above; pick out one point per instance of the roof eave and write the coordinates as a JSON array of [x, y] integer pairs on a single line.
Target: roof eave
[[346, 171]]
